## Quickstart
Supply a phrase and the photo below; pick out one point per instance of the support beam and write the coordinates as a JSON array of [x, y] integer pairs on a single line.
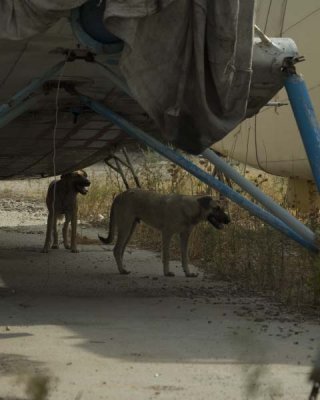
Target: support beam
[[16, 111], [306, 120], [29, 90], [255, 192], [186, 164]]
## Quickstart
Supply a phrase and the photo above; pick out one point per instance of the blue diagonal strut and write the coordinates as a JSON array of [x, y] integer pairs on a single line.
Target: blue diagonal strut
[[306, 120], [30, 89], [263, 199], [186, 164]]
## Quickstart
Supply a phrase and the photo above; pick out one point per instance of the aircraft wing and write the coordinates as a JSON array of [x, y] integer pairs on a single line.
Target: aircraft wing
[[185, 72]]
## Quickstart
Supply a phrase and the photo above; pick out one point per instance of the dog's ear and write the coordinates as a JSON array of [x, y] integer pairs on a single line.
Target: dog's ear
[[205, 201], [81, 172]]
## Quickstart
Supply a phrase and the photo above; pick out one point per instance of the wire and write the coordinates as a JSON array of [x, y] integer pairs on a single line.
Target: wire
[[283, 16], [15, 63], [256, 145], [234, 143], [247, 150], [302, 19], [54, 151], [268, 14]]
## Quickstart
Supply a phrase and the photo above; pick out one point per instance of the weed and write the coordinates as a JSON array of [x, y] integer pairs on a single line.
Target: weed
[[247, 250]]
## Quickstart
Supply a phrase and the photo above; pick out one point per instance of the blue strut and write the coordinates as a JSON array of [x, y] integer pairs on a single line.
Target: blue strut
[[186, 164], [255, 192], [29, 90], [306, 120]]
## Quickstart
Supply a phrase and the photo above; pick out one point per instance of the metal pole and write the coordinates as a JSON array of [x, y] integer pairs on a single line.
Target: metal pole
[[30, 89], [265, 200], [177, 158], [17, 110], [306, 120]]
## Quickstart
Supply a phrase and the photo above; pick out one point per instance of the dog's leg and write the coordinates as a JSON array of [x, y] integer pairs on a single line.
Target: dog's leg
[[166, 239], [122, 241], [133, 227], [65, 232], [48, 234], [74, 218], [184, 240], [55, 244]]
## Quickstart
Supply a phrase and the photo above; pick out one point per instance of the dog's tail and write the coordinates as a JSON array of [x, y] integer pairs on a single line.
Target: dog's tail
[[109, 239]]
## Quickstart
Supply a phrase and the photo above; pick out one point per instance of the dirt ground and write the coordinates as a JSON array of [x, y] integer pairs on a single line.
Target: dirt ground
[[99, 335]]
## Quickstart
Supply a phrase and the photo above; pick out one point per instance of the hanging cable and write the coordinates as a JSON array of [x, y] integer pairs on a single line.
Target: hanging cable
[[54, 151], [247, 149], [234, 143], [256, 145], [302, 19], [15, 63], [283, 16], [268, 14]]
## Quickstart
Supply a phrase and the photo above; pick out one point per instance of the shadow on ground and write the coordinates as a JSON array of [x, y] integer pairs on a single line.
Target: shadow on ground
[[142, 317]]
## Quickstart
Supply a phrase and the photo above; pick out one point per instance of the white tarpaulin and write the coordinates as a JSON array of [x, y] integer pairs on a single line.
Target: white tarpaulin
[[187, 62]]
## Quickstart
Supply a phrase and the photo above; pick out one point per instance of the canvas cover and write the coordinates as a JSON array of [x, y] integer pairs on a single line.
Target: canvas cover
[[187, 62]]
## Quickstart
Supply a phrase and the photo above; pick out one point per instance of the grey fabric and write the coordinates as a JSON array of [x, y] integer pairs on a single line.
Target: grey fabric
[[187, 62], [20, 19]]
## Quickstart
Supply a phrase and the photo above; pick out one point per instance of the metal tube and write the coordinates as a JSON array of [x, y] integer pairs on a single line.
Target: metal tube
[[306, 120], [265, 200], [177, 158], [17, 110], [30, 89]]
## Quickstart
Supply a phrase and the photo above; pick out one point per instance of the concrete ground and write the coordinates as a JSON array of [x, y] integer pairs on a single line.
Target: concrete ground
[[99, 335]]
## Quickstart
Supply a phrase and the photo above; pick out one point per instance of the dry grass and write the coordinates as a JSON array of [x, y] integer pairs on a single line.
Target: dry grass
[[247, 251]]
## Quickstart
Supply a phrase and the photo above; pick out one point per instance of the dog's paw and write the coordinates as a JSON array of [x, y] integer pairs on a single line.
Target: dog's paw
[[191, 275], [125, 272], [67, 247], [170, 274], [55, 246], [75, 251]]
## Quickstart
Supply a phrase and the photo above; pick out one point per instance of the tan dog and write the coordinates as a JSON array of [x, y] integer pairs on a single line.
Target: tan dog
[[170, 214], [62, 200]]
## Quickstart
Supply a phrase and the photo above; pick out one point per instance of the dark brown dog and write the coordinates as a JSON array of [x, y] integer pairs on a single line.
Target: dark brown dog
[[62, 200]]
